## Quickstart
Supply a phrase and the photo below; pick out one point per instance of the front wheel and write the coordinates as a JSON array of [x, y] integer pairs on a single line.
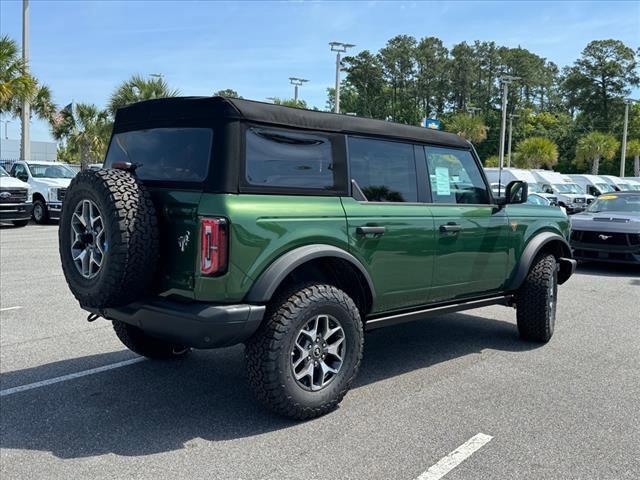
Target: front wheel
[[304, 357], [536, 300], [40, 212]]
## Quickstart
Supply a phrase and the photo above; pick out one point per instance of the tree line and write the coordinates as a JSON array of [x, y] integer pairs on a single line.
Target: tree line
[[566, 118]]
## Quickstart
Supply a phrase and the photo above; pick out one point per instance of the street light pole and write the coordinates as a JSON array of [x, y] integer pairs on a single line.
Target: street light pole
[[296, 82], [339, 48], [25, 144], [505, 80], [623, 155], [6, 134], [511, 117]]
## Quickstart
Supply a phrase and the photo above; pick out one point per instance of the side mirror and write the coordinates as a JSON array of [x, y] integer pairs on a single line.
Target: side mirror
[[516, 192]]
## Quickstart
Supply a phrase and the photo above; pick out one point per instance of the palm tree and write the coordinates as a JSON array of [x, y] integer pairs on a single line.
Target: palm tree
[[633, 150], [594, 147], [137, 89], [18, 86], [536, 152], [469, 127], [86, 132]]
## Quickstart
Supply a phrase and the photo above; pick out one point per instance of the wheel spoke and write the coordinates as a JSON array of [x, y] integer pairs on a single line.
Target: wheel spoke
[[334, 348], [305, 372]]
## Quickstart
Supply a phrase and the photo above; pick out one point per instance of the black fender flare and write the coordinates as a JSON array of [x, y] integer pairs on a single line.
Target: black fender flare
[[269, 280], [567, 264]]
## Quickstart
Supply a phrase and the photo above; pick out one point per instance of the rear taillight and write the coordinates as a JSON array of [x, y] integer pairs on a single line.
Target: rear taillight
[[214, 241]]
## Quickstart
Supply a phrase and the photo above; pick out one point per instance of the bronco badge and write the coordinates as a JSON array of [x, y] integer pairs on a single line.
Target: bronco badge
[[183, 241]]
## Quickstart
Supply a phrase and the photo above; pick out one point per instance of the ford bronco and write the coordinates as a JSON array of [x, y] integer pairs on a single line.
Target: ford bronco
[[219, 221]]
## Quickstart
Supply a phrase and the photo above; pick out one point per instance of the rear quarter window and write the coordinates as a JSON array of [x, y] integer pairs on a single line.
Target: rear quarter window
[[280, 158], [170, 154]]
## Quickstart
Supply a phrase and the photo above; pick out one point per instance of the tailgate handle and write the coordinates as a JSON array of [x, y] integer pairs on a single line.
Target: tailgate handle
[[173, 211], [450, 227], [370, 230]]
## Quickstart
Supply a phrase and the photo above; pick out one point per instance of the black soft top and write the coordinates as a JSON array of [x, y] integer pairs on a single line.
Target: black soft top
[[164, 111]]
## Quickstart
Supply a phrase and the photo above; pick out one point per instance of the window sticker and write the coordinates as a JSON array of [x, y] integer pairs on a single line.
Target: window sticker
[[442, 181], [607, 197]]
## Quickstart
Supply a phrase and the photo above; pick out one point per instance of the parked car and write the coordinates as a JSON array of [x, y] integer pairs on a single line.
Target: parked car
[[94, 166], [618, 184], [609, 230], [592, 184], [537, 199], [511, 174], [570, 195], [219, 221], [634, 185], [48, 182], [15, 200]]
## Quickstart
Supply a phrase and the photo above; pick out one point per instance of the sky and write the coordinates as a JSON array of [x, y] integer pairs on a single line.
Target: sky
[[83, 49]]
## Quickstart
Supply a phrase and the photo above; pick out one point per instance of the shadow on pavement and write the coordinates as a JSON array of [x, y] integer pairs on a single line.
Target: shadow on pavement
[[609, 269], [153, 407]]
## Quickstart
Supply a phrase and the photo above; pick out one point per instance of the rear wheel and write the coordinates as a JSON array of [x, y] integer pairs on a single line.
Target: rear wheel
[[303, 359], [40, 212], [139, 342], [536, 300]]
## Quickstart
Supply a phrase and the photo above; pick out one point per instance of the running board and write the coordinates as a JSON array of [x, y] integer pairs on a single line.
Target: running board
[[436, 310]]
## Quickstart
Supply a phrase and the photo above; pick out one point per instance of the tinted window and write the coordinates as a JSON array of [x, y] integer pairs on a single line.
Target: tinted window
[[178, 154], [455, 176], [278, 158], [385, 171]]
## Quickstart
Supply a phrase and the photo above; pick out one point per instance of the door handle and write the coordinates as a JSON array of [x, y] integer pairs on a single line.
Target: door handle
[[450, 227], [370, 230]]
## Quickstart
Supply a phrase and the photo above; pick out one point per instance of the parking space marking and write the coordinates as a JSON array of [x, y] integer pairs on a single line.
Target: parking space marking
[[71, 376], [455, 458], [6, 309]]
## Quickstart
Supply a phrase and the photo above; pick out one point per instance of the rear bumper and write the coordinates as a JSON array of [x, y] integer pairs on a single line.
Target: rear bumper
[[198, 325], [15, 212]]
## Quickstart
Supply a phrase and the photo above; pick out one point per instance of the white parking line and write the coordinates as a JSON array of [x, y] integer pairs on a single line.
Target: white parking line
[[6, 309], [455, 458], [71, 376]]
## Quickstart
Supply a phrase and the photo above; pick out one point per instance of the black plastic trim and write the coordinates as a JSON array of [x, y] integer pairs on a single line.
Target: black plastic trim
[[198, 325], [534, 246], [266, 285], [439, 309]]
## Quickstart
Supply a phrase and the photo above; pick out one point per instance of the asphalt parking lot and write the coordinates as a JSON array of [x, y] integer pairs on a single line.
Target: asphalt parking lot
[[566, 410]]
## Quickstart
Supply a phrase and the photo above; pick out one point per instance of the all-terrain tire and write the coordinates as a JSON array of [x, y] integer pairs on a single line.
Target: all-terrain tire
[[139, 342], [536, 300], [132, 238], [268, 352]]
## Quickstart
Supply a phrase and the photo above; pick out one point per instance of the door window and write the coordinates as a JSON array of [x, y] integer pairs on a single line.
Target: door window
[[385, 171], [455, 177]]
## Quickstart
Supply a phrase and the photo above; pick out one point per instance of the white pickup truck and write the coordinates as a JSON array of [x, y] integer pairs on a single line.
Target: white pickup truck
[[15, 200], [49, 182]]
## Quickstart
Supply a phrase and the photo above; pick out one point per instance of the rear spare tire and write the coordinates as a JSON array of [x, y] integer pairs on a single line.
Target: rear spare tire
[[108, 238]]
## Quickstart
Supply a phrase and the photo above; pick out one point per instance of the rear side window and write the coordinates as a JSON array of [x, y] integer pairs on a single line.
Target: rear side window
[[455, 177], [279, 158], [385, 171], [171, 154]]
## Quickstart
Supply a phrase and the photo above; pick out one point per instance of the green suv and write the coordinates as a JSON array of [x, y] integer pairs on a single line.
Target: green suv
[[219, 221]]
